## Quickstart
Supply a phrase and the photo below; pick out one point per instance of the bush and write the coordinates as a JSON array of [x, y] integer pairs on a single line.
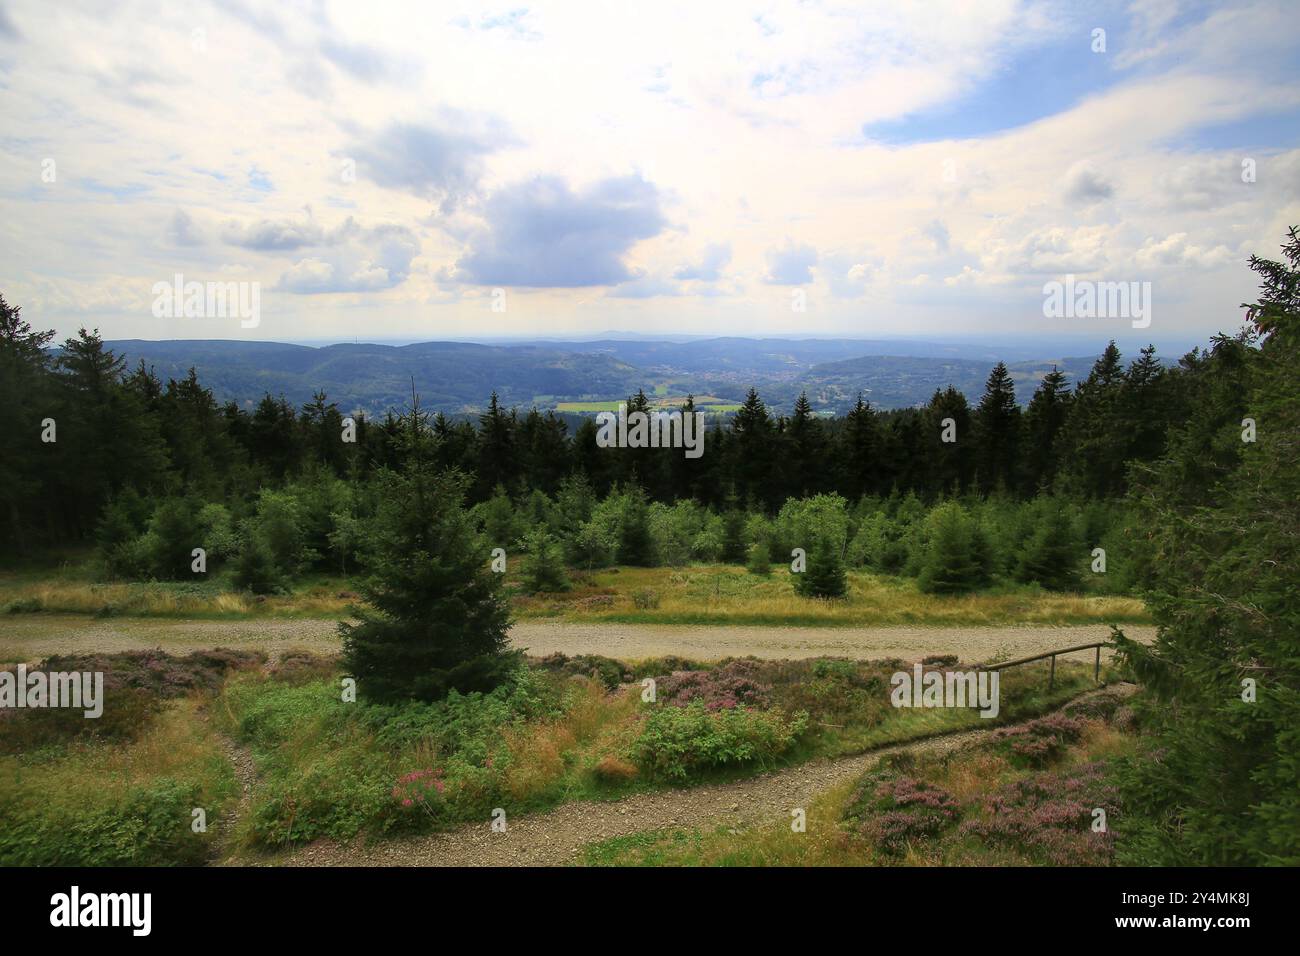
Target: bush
[[543, 564], [146, 826], [608, 671], [825, 576], [174, 532], [1038, 742], [957, 556], [255, 568], [677, 743], [894, 812], [1049, 817], [645, 599], [731, 685]]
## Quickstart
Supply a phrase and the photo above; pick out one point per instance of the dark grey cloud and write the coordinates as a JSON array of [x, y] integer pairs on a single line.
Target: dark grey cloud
[[1085, 186], [431, 161], [182, 231], [709, 267], [540, 233], [791, 264], [267, 235], [7, 28]]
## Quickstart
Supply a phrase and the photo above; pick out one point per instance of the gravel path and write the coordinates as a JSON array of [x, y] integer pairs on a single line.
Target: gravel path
[[33, 636], [557, 837]]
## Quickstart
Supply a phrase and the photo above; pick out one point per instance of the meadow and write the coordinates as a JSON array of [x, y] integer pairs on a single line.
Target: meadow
[[688, 595], [183, 734]]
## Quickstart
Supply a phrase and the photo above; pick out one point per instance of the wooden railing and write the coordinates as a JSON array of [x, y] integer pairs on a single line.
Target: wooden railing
[[1051, 680]]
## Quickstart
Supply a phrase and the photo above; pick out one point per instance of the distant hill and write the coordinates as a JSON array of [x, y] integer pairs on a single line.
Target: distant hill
[[458, 377], [899, 382], [450, 376]]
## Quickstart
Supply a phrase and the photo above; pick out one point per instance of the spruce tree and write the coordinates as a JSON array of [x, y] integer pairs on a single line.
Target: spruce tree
[[435, 618], [1223, 515], [1049, 555], [1043, 421], [543, 563], [825, 576], [957, 558], [997, 432]]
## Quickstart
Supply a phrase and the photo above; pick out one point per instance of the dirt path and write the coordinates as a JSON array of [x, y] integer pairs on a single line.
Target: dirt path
[[31, 637], [557, 837]]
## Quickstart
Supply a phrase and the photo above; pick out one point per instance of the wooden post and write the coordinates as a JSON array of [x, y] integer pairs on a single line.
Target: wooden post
[[1096, 669], [1051, 678]]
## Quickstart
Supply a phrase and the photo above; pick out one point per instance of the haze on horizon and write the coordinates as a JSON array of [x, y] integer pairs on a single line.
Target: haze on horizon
[[910, 170]]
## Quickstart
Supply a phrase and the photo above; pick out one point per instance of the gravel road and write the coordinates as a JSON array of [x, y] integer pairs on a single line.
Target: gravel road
[[31, 637]]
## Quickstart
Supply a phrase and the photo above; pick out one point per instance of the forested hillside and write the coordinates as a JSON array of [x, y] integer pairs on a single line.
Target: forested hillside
[[115, 431]]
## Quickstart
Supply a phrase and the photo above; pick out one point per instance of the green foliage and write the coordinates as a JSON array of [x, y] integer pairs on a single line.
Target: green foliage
[[436, 618], [174, 532], [1222, 515], [255, 568], [678, 743], [760, 558], [1050, 556], [825, 576], [146, 826], [543, 563], [957, 555]]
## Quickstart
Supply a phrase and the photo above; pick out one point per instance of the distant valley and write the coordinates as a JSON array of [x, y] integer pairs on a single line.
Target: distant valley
[[582, 377]]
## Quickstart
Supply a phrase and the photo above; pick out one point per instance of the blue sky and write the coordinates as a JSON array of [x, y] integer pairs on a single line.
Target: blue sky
[[389, 170]]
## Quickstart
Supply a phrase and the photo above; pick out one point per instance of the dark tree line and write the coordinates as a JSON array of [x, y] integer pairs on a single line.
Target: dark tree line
[[114, 429]]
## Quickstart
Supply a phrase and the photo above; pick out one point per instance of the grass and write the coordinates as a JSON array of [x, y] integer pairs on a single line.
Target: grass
[[839, 829], [691, 595], [335, 770], [728, 595], [122, 803], [329, 768]]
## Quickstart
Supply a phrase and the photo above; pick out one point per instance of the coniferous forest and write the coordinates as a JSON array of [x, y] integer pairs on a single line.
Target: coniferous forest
[[1183, 476], [787, 436]]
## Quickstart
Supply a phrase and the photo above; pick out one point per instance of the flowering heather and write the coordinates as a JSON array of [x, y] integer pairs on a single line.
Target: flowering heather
[[1039, 742], [1049, 816], [732, 685], [904, 809]]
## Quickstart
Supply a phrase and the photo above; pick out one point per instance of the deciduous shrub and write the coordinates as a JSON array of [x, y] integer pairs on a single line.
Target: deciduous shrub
[[677, 743]]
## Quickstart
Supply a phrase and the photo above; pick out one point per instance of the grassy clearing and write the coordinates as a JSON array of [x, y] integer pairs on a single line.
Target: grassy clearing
[[720, 594], [999, 803], [118, 803], [71, 586], [565, 729], [569, 729], [699, 594]]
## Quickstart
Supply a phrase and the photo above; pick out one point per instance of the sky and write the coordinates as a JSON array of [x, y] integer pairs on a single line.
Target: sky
[[422, 171]]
